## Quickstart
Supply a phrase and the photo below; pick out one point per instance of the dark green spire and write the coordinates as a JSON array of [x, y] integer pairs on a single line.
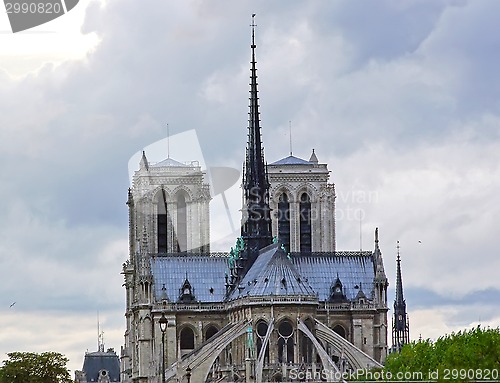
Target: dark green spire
[[256, 228]]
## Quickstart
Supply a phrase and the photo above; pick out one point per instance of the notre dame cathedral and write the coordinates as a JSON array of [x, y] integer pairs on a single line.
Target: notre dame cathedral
[[282, 305]]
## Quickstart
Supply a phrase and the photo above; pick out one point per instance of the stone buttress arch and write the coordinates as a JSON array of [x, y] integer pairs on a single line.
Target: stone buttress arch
[[201, 359]]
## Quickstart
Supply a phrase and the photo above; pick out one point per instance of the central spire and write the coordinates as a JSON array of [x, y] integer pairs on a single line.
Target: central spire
[[256, 228]]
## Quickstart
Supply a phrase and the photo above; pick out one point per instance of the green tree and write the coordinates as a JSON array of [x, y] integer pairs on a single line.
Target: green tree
[[465, 356], [29, 367]]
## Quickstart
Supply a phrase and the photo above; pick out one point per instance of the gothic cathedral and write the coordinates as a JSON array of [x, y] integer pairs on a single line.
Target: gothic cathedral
[[283, 305]]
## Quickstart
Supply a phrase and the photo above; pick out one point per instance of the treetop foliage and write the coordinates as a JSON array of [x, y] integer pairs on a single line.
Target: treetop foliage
[[29, 367], [477, 349]]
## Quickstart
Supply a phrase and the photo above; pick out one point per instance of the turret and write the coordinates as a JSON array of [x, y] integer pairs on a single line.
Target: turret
[[381, 283], [400, 322]]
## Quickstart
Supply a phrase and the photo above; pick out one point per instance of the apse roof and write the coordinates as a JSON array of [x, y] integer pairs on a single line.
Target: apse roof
[[272, 274], [291, 160]]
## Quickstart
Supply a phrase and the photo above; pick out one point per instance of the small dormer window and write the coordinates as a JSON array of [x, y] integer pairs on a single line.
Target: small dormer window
[[186, 293], [337, 291]]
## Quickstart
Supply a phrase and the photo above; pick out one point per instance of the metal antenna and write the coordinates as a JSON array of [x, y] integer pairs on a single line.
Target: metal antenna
[[168, 141], [98, 333], [360, 233], [290, 128]]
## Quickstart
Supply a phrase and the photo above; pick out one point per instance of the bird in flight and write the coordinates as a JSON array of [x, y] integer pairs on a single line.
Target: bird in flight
[[12, 305]]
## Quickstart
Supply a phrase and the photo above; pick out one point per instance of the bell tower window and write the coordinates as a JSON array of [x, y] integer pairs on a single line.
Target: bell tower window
[[181, 223], [162, 223], [305, 223], [284, 221]]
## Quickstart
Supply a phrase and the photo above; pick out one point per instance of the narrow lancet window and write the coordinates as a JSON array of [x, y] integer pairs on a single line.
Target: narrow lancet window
[[181, 223], [162, 223], [284, 221], [305, 223]]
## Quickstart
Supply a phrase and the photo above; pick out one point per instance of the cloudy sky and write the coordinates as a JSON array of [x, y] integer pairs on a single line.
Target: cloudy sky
[[401, 99]]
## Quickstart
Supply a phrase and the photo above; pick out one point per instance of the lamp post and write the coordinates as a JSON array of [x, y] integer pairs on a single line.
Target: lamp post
[[163, 327], [188, 374]]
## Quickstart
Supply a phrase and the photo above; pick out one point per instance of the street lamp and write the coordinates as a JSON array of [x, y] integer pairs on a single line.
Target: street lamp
[[188, 374], [163, 327]]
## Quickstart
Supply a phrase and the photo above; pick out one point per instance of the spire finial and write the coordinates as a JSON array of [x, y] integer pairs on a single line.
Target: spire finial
[[253, 25], [143, 164], [314, 158]]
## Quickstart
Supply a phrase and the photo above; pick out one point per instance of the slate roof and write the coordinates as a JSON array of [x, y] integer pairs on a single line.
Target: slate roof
[[304, 274], [204, 272], [97, 361], [321, 269], [291, 160], [272, 274]]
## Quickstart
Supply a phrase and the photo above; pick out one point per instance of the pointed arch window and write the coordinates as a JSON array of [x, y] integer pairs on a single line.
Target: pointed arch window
[[284, 220], [285, 342], [181, 223], [186, 340], [339, 329], [210, 332], [305, 223], [306, 345], [261, 330], [162, 220]]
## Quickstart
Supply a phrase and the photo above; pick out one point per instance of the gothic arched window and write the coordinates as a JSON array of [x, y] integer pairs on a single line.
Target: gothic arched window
[[285, 342], [305, 223], [210, 332], [306, 346], [261, 330], [181, 223], [284, 220], [162, 219], [339, 329], [186, 339]]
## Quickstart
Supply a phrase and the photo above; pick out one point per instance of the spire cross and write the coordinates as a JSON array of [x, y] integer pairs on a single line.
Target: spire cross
[[398, 247], [168, 141]]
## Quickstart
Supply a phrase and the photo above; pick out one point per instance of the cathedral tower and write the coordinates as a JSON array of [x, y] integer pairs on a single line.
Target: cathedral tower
[[303, 204]]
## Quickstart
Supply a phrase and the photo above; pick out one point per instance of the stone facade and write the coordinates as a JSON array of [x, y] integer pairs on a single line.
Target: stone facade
[[195, 315]]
